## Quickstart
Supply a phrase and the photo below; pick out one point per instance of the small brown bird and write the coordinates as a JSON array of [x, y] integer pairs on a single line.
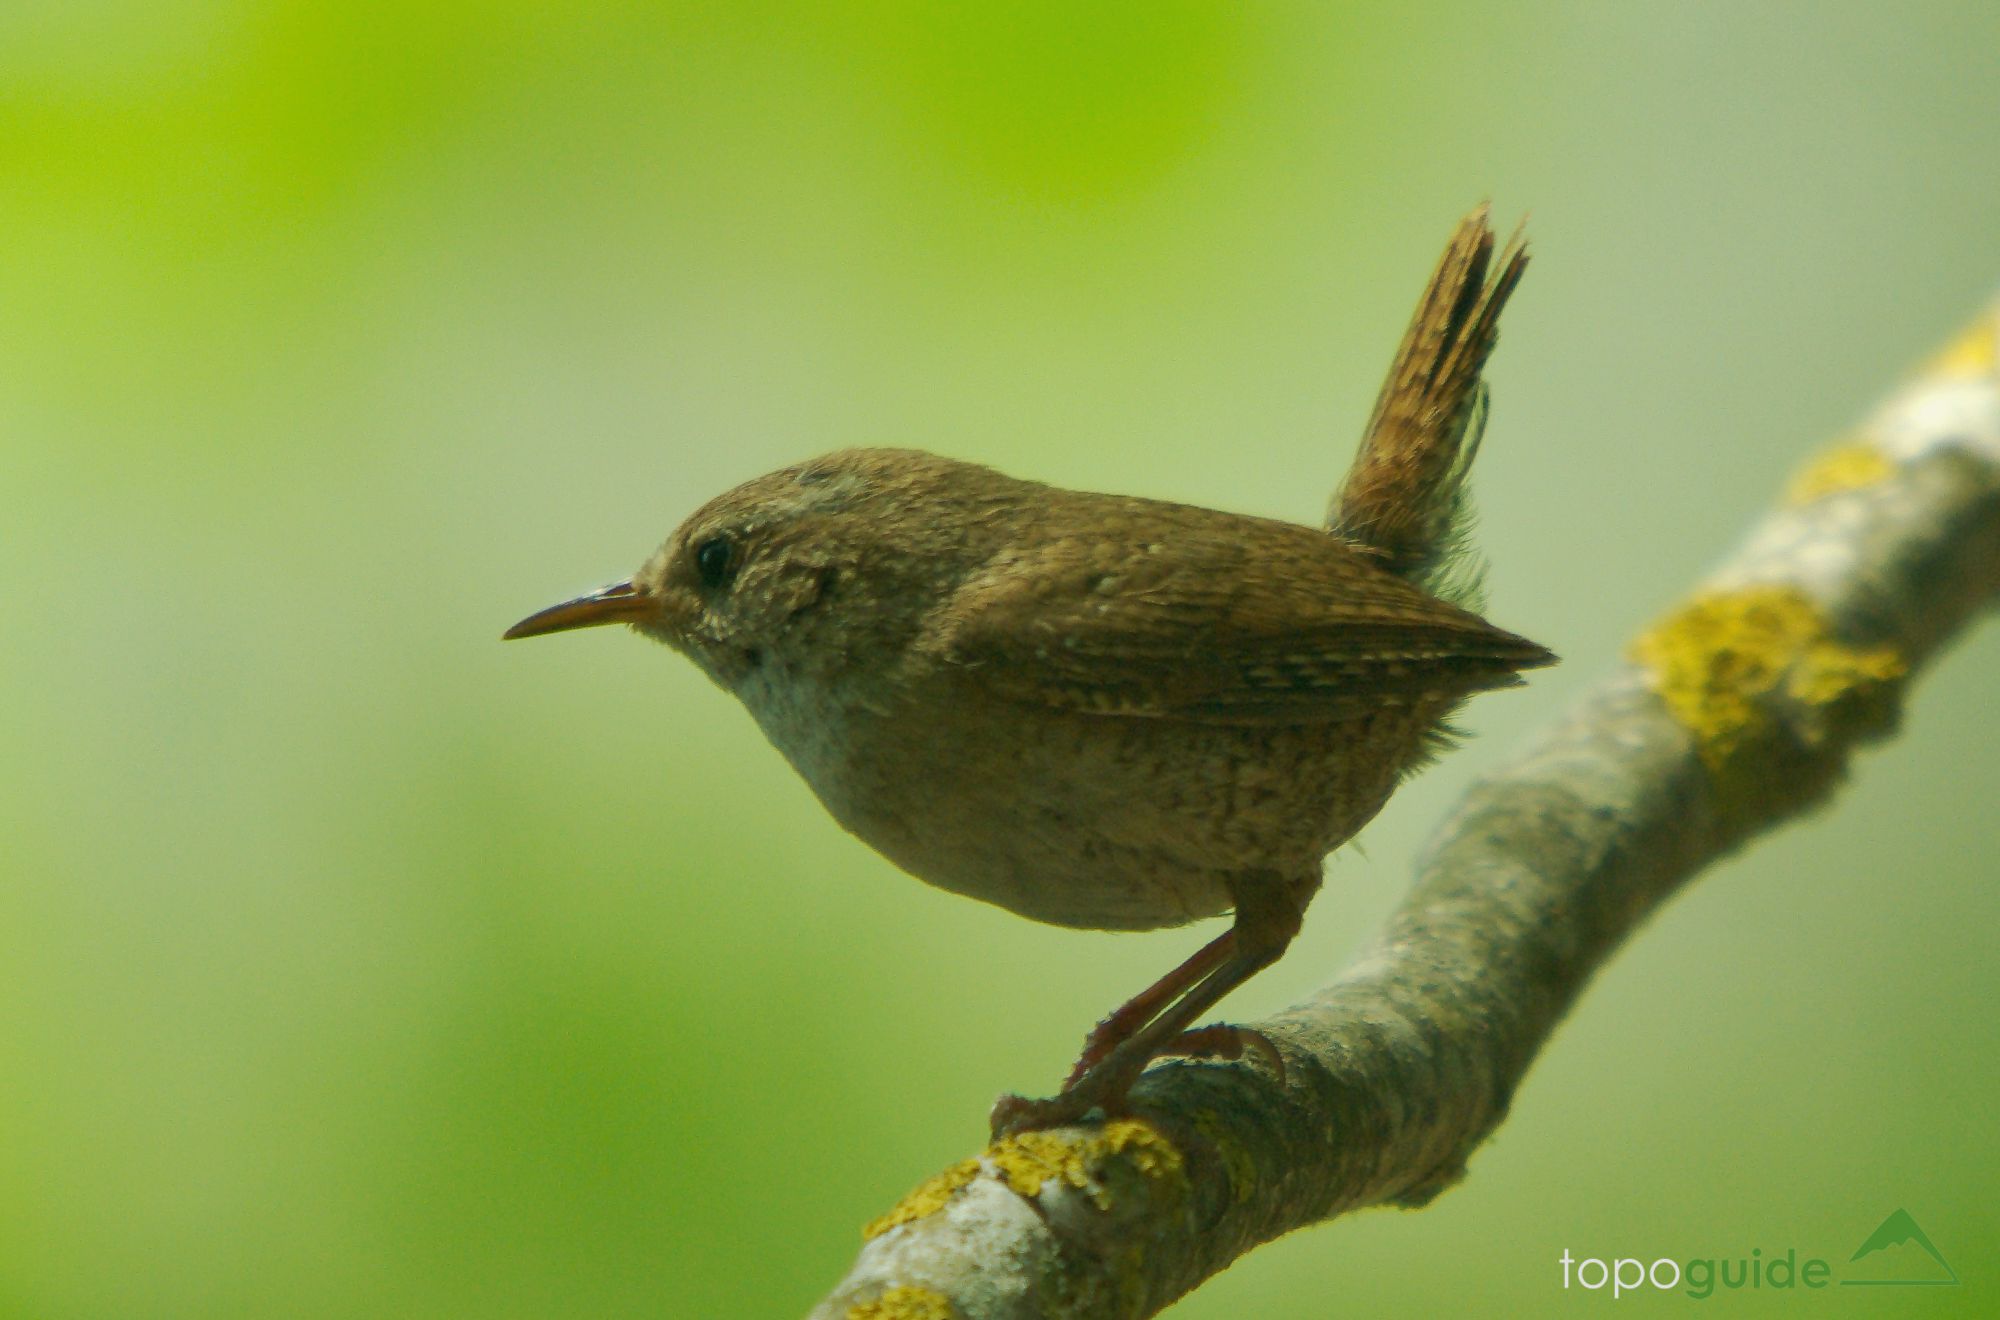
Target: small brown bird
[[1102, 711]]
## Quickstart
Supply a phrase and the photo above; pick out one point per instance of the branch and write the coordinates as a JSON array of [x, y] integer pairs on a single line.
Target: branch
[[1735, 713]]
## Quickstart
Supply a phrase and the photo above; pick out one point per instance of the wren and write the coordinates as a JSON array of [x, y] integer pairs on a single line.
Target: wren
[[1103, 711]]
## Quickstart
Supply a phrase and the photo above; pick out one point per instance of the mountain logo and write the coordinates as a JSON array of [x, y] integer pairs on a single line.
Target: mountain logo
[[1905, 1265]]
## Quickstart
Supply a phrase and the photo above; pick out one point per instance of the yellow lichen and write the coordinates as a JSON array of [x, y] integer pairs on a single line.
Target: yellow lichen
[[1718, 660], [1032, 1159], [1027, 1162], [928, 1198], [1831, 673], [1843, 467], [1974, 353], [904, 1302]]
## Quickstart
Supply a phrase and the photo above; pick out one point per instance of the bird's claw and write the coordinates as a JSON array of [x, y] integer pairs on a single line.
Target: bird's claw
[[1100, 1085], [1224, 1040], [1014, 1114]]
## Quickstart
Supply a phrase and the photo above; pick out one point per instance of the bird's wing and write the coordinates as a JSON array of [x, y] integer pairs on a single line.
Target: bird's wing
[[1187, 621]]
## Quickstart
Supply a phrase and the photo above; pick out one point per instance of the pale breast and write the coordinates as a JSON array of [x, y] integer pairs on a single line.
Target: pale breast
[[1081, 820]]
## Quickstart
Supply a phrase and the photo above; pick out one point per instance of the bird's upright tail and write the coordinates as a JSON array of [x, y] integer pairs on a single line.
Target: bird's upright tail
[[1405, 499]]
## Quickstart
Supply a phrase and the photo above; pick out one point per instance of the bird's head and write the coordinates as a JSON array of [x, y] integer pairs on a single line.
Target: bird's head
[[756, 572]]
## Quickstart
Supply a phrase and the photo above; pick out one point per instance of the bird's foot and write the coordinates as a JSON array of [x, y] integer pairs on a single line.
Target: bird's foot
[[1223, 1040], [1099, 1087], [1102, 1084], [1014, 1114]]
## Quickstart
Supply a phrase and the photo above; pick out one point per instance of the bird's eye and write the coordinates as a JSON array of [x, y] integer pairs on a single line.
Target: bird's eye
[[715, 560]]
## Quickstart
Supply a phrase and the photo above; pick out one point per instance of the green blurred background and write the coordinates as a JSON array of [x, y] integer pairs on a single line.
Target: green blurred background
[[357, 965]]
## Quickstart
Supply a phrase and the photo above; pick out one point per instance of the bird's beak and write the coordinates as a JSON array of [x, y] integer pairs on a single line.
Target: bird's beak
[[621, 602]]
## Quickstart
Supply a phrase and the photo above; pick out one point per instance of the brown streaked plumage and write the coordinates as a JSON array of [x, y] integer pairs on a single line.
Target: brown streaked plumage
[[1198, 615], [1098, 710]]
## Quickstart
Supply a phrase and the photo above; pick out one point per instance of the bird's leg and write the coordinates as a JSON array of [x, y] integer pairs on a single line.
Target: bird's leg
[[1146, 1005], [1269, 912]]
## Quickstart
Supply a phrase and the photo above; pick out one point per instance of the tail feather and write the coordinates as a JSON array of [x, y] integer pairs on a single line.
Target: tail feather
[[1405, 499]]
